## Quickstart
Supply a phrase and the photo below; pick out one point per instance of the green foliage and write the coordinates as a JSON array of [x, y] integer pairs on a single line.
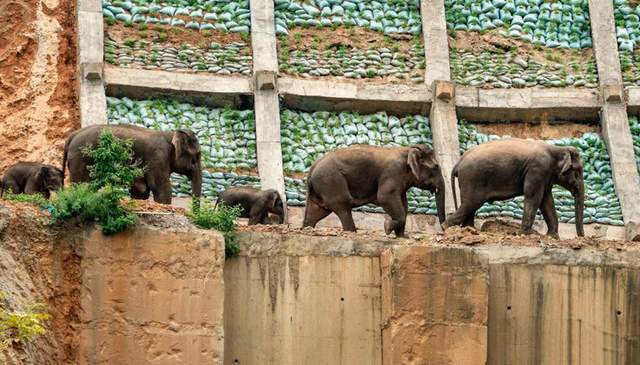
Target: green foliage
[[22, 325], [34, 199], [100, 201], [219, 217]]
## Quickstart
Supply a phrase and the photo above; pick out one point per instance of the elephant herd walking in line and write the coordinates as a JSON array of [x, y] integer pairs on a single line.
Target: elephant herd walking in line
[[340, 180]]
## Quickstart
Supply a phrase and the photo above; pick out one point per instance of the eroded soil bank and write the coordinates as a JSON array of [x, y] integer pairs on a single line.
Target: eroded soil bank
[[38, 82]]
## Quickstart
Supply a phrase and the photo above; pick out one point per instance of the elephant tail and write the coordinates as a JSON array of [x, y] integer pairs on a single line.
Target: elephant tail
[[1, 188], [454, 174]]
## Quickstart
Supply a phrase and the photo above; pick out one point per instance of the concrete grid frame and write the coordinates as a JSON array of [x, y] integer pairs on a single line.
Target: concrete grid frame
[[438, 97]]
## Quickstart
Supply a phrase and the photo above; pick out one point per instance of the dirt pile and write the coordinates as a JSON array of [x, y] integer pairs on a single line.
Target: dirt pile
[[38, 84]]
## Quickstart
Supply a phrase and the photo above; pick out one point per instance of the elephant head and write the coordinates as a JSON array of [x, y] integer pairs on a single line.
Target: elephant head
[[570, 176], [186, 158], [50, 178], [427, 174], [274, 204]]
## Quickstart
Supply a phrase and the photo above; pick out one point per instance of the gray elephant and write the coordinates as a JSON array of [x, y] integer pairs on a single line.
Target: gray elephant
[[161, 153], [507, 168], [351, 177], [31, 178], [255, 204]]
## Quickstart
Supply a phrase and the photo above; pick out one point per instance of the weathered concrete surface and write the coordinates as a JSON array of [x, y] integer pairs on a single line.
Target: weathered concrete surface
[[312, 95], [152, 295], [435, 303], [434, 31], [617, 135], [633, 100], [444, 128], [267, 107], [93, 103], [605, 44], [530, 104], [297, 309], [210, 90], [563, 315]]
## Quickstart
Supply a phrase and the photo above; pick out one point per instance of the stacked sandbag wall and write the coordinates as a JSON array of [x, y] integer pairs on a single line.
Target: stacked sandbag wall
[[188, 36], [227, 138], [308, 136], [353, 39], [627, 18], [521, 43], [601, 202]]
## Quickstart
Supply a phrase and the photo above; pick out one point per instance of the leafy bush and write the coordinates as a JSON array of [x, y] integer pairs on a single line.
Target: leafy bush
[[21, 325], [112, 173], [34, 199], [208, 215]]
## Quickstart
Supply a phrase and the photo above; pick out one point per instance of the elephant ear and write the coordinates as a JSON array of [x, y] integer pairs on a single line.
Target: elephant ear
[[272, 199], [430, 160], [178, 141], [565, 162], [413, 160]]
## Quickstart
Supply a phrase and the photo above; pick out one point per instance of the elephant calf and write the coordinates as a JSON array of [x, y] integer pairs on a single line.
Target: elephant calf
[[32, 178], [507, 168], [256, 204], [351, 177]]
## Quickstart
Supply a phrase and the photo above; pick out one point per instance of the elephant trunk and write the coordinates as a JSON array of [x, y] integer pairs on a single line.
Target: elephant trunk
[[196, 185], [440, 201], [579, 213]]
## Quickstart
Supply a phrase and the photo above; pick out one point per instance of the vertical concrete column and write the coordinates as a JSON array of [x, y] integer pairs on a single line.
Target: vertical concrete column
[[93, 102], [267, 108], [614, 119], [442, 119]]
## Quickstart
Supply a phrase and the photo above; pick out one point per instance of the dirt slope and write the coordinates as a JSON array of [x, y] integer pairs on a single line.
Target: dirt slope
[[38, 84]]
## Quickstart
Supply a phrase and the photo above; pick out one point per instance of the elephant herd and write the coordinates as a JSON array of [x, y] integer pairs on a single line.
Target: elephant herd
[[342, 179]]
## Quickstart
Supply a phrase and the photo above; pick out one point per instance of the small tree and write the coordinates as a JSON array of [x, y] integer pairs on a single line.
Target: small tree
[[219, 217], [22, 325], [112, 173]]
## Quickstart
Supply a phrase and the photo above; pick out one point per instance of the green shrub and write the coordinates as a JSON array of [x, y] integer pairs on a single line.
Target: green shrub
[[219, 217], [100, 201], [22, 325], [34, 199]]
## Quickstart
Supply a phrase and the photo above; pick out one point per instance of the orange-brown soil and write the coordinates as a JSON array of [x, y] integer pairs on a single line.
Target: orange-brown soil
[[538, 130]]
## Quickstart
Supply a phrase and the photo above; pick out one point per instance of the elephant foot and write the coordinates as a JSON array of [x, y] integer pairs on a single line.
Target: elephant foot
[[553, 235], [388, 226], [527, 232]]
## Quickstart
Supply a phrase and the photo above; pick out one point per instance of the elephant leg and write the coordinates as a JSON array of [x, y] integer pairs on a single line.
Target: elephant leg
[[465, 214], [314, 213], [140, 191], [30, 188], [346, 218], [470, 221], [548, 209], [160, 185], [12, 185], [532, 200], [394, 206]]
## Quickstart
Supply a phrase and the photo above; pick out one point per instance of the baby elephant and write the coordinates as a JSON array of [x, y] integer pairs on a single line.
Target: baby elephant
[[31, 178], [256, 204]]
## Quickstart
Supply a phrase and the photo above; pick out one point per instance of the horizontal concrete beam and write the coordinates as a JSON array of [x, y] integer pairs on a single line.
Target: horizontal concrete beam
[[339, 95], [531, 104], [205, 89]]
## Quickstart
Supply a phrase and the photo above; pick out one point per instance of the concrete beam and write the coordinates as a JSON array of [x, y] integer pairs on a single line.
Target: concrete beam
[[614, 119], [444, 129], [434, 30], [312, 94], [211, 90], [266, 104], [93, 103], [632, 96], [529, 105]]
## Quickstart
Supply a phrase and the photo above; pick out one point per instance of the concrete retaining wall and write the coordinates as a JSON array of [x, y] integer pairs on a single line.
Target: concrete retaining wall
[[153, 295], [305, 299]]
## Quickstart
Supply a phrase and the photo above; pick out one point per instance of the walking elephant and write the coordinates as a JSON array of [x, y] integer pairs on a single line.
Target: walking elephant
[[256, 204], [359, 175], [161, 153], [31, 178], [507, 168]]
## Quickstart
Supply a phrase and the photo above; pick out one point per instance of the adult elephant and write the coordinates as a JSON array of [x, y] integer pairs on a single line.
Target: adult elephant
[[507, 168], [354, 176], [161, 153]]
